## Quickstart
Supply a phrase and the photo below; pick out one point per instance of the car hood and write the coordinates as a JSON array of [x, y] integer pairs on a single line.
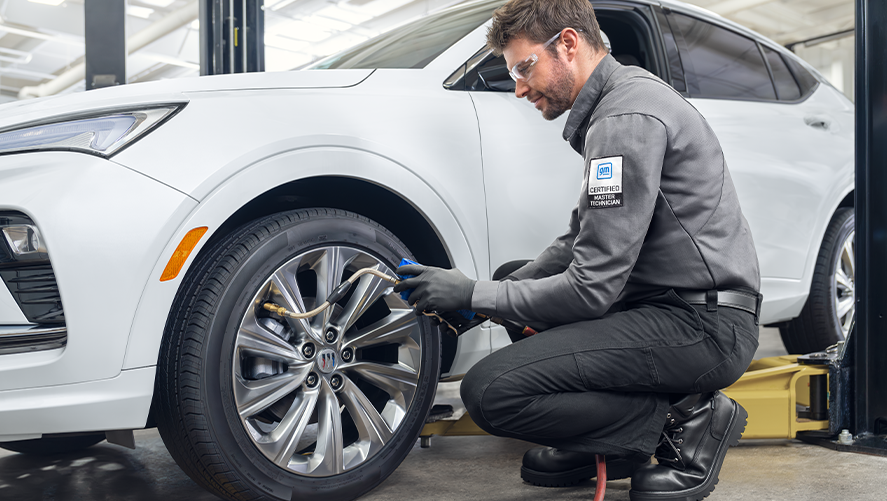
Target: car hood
[[171, 91]]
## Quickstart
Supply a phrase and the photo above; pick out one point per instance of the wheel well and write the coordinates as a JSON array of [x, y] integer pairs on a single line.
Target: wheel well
[[387, 208], [849, 200]]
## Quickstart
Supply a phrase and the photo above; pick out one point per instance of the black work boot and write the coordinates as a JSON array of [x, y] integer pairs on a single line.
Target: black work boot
[[698, 431], [550, 467]]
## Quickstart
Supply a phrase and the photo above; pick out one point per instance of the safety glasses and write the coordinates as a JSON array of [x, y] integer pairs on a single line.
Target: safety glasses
[[521, 70]]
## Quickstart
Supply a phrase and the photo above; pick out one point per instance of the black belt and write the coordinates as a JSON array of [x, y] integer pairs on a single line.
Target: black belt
[[745, 301]]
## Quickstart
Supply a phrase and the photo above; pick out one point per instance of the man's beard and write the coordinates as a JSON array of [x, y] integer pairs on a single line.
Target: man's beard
[[559, 92]]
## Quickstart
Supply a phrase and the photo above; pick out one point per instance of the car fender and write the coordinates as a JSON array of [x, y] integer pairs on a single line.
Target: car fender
[[157, 299]]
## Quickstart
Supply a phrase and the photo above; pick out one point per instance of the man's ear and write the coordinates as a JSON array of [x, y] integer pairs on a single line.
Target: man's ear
[[572, 41]]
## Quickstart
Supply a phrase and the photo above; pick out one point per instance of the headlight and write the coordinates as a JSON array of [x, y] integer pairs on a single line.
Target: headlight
[[102, 134]]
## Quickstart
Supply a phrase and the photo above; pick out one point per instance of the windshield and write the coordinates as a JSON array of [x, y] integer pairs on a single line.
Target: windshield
[[416, 44]]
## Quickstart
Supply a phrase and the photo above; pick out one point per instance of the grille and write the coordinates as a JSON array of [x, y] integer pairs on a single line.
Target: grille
[[36, 292]]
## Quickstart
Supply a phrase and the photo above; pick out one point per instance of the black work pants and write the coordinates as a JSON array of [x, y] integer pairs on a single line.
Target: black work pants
[[604, 385]]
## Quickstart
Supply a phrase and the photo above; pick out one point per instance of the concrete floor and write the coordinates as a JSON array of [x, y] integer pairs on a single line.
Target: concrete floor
[[454, 468]]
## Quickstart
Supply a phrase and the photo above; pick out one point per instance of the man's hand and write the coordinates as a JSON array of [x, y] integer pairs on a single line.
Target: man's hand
[[436, 289]]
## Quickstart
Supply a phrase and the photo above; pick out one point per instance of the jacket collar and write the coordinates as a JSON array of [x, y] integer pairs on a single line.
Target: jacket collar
[[586, 101]]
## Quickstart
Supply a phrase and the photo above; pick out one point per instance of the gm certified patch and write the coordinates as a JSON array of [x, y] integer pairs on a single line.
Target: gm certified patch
[[605, 183]]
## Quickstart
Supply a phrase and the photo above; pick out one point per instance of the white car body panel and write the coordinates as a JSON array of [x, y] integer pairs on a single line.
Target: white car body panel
[[255, 180], [788, 184], [93, 249], [118, 403], [453, 155]]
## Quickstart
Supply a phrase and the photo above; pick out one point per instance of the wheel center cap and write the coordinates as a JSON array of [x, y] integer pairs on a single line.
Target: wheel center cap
[[327, 361]]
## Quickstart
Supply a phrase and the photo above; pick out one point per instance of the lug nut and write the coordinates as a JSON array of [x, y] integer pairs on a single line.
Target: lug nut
[[331, 335], [308, 350], [347, 355], [312, 380], [336, 382]]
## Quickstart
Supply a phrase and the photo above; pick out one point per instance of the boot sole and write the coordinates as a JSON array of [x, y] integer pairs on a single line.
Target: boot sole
[[734, 433], [573, 477]]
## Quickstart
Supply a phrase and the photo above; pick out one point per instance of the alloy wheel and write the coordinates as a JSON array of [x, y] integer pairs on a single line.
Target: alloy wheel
[[844, 283], [321, 396]]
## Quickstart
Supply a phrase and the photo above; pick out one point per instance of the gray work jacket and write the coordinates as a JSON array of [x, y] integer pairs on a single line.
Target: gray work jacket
[[657, 209]]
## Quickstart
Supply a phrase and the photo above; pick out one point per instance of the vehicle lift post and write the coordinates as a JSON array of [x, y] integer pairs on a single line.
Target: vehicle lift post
[[860, 400]]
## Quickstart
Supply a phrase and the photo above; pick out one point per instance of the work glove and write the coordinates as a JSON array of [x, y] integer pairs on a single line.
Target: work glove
[[436, 289], [453, 324]]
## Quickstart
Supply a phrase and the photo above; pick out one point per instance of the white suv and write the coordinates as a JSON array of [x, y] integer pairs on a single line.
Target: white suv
[[145, 228]]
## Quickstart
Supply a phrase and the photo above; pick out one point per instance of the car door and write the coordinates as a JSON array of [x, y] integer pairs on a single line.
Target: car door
[[785, 141]]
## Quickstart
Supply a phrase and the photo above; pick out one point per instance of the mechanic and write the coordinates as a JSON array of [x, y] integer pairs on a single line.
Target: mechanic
[[645, 307]]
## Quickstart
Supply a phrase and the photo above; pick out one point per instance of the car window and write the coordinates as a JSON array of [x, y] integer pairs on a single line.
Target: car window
[[416, 44], [722, 64], [786, 87], [805, 79]]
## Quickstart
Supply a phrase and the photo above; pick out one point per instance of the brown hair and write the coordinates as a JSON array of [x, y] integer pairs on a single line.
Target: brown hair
[[539, 20]]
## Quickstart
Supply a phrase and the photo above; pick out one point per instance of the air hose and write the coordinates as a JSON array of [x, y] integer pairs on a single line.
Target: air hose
[[333, 298], [345, 286], [601, 487]]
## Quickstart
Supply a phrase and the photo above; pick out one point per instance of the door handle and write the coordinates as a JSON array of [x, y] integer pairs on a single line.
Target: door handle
[[818, 122]]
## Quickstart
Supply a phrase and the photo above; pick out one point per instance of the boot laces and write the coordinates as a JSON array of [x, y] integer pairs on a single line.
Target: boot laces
[[668, 450]]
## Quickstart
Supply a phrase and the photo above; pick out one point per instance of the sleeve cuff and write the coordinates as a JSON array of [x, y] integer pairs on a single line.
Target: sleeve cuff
[[483, 299]]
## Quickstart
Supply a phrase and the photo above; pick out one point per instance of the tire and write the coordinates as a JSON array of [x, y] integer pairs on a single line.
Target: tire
[[826, 317], [241, 424], [50, 446]]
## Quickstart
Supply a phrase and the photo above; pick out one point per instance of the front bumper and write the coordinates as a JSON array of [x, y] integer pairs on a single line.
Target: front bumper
[[105, 227]]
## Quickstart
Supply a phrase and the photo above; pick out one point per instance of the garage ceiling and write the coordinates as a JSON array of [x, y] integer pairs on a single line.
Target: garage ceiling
[[41, 40]]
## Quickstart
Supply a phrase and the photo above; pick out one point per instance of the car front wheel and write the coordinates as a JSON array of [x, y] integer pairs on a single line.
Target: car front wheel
[[258, 406], [828, 313]]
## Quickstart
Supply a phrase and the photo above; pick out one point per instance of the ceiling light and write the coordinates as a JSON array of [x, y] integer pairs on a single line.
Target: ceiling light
[[158, 3], [379, 7], [48, 2], [299, 30], [330, 24], [142, 12], [195, 24], [347, 16], [285, 43], [279, 5]]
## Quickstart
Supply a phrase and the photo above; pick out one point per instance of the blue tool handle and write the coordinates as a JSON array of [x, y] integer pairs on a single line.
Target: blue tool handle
[[405, 295]]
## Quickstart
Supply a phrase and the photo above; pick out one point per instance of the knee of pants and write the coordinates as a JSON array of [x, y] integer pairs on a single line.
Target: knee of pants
[[471, 391]]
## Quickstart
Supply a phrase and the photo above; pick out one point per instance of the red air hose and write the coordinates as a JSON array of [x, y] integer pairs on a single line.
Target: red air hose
[[601, 487]]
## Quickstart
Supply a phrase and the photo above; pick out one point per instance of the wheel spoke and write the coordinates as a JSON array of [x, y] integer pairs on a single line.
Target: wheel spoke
[[367, 290], [328, 457], [255, 340], [281, 444], [288, 287], [848, 255], [845, 325], [395, 328], [843, 280], [843, 306], [330, 268], [398, 380], [372, 427], [254, 396]]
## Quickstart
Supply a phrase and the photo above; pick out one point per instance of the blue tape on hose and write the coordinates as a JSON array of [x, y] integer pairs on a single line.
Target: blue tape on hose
[[405, 295]]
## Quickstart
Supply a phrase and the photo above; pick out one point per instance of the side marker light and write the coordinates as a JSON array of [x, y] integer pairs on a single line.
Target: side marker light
[[174, 266]]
